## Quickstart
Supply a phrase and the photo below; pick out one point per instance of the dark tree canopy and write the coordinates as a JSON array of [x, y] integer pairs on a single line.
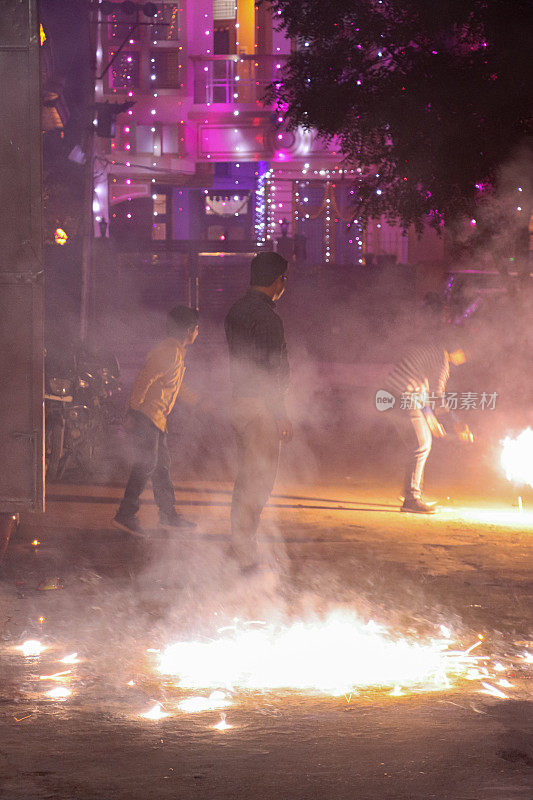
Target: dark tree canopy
[[428, 97]]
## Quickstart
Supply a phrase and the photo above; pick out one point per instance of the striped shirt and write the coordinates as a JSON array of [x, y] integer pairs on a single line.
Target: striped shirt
[[424, 370]]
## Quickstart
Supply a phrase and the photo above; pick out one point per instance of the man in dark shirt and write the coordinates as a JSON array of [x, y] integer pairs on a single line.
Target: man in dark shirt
[[259, 372]]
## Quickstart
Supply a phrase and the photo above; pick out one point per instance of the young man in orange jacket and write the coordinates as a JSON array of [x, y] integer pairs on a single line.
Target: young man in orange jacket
[[154, 393]]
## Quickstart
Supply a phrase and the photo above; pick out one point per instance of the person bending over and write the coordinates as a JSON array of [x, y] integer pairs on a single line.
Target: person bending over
[[418, 382], [154, 393]]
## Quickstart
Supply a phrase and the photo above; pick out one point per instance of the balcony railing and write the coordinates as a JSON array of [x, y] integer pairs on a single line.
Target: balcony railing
[[233, 79]]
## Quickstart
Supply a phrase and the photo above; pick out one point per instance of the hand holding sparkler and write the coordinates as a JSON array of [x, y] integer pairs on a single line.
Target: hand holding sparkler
[[464, 433]]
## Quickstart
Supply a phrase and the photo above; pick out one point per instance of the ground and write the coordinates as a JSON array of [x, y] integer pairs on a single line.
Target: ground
[[333, 546]]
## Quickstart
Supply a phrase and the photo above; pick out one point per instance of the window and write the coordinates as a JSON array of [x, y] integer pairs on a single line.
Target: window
[[118, 29], [124, 72], [224, 9], [170, 139], [167, 24], [159, 231], [165, 69], [144, 136], [159, 215], [160, 204]]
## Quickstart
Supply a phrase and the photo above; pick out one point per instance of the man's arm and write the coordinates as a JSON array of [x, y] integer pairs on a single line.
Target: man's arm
[[154, 367]]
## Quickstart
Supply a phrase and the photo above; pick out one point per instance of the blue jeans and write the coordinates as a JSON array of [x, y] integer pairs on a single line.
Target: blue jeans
[[151, 460], [416, 436]]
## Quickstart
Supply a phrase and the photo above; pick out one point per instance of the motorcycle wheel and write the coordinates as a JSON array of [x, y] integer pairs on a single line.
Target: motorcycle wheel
[[57, 434]]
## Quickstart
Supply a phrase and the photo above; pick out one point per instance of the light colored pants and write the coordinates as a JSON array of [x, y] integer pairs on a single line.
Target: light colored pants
[[416, 435], [258, 445]]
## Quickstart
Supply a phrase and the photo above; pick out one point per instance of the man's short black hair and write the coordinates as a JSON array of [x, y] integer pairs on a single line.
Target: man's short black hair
[[181, 318], [266, 267]]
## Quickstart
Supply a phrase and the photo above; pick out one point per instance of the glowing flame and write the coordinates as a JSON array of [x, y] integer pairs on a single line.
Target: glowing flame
[[57, 676], [222, 725], [59, 693], [517, 457], [71, 659], [492, 691], [155, 713], [334, 656], [193, 705], [60, 236], [31, 648]]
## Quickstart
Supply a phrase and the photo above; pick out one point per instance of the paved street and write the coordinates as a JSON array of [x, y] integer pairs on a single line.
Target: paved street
[[345, 547]]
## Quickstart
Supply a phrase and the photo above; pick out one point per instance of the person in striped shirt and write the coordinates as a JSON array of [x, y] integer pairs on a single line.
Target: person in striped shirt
[[418, 381]]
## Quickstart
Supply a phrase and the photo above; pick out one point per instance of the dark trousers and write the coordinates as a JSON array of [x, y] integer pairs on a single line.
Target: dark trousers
[[258, 445], [151, 459], [416, 436]]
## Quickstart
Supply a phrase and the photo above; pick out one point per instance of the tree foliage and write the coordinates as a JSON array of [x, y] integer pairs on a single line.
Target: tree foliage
[[427, 97]]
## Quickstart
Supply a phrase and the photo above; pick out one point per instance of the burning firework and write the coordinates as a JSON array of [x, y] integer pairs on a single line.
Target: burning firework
[[222, 725], [335, 656], [155, 713], [59, 693], [71, 659], [31, 648], [517, 457], [193, 705]]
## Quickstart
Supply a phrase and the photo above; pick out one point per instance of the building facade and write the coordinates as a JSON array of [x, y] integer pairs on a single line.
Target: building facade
[[200, 165]]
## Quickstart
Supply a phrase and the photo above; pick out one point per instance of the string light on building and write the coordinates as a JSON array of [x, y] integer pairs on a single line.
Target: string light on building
[[261, 207]]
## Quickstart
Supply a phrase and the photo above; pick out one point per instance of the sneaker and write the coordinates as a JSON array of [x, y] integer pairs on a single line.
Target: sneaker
[[131, 526], [415, 505], [174, 520]]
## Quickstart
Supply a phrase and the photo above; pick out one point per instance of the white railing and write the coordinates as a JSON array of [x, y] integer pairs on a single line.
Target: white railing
[[233, 79]]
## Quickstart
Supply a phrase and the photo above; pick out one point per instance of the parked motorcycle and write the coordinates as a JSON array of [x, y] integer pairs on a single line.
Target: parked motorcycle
[[80, 405]]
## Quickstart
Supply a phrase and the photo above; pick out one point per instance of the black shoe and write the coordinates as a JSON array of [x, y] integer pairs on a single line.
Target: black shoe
[[131, 526], [174, 520], [415, 505]]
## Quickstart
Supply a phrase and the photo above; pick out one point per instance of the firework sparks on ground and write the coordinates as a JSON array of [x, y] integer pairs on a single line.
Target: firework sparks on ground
[[57, 676], [336, 656], [517, 457], [59, 693], [71, 659], [31, 648], [155, 713], [194, 705], [222, 725]]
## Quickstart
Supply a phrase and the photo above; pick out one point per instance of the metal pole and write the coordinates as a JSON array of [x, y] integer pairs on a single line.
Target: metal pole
[[88, 224]]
